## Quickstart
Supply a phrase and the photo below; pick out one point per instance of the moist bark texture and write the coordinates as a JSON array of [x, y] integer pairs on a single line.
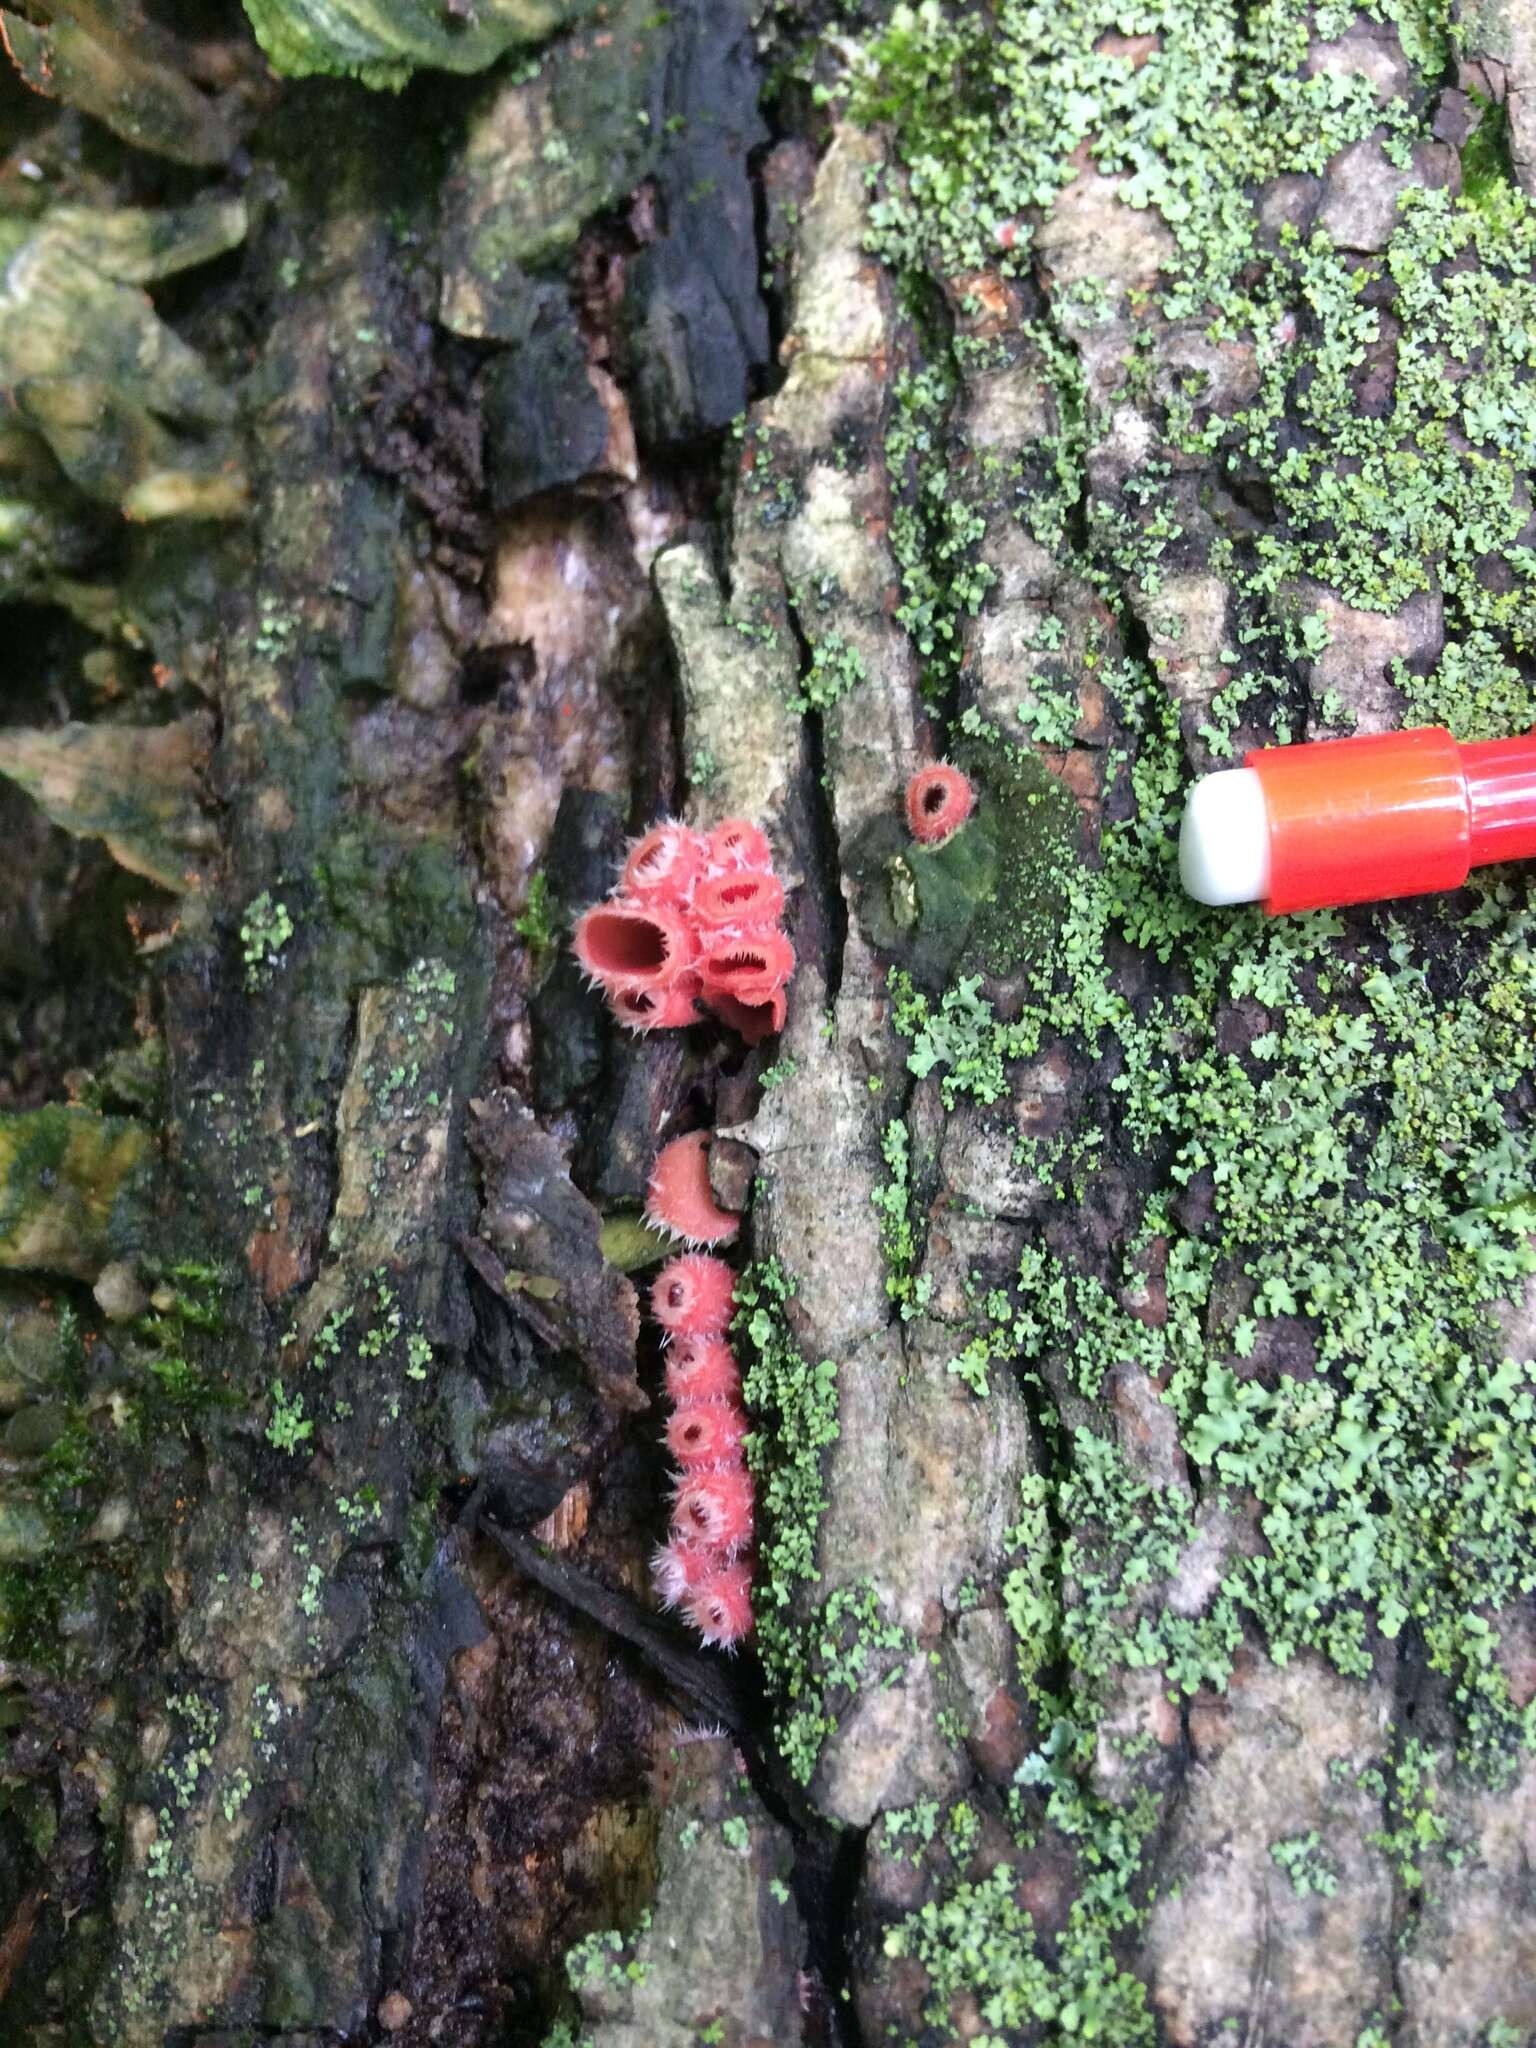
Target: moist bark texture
[[415, 480]]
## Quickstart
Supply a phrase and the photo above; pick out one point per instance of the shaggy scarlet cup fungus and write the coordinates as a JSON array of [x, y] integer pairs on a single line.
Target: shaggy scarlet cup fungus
[[678, 885], [659, 1009], [721, 1607], [704, 1434], [715, 1508], [695, 919], [681, 1567], [691, 1296], [744, 899], [735, 843], [628, 946], [702, 1369], [679, 1198], [667, 861], [752, 1022], [939, 800], [706, 1565], [750, 966]]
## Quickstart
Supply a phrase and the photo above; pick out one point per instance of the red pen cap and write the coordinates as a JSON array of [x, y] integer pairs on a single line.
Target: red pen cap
[[1359, 820]]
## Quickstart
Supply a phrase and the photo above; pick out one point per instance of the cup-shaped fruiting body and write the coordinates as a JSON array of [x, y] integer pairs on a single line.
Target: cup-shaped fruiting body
[[939, 800], [742, 899], [704, 1434], [628, 946], [752, 1022], [702, 1369], [667, 861], [715, 1509], [750, 966], [680, 1568], [721, 1607], [691, 1296], [658, 1009], [678, 889], [679, 1198], [736, 843]]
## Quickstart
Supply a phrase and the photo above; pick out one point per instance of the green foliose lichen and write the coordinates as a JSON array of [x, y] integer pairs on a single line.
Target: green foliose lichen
[[1329, 1110]]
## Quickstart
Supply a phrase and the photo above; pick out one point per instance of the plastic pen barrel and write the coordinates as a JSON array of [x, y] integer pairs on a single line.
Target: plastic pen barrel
[[1358, 820]]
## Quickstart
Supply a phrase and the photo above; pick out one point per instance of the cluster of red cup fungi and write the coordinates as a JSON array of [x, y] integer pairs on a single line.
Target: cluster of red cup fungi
[[694, 921], [705, 1566]]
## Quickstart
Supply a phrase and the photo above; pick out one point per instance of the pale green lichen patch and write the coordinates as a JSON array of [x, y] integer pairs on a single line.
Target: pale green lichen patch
[[988, 113]]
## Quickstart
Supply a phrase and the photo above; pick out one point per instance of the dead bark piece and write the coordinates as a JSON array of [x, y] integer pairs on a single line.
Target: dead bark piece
[[384, 43], [130, 412], [545, 1228], [704, 1680], [721, 1947], [812, 560], [737, 688], [141, 791]]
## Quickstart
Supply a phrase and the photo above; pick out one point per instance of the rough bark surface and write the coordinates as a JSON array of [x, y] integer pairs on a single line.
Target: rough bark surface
[[724, 411]]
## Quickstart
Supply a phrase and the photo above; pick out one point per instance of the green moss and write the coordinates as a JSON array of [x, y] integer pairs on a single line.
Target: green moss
[[537, 924], [74, 1189], [962, 1040], [988, 111], [1304, 1862], [287, 1428], [936, 529], [977, 1939], [607, 1957], [833, 671]]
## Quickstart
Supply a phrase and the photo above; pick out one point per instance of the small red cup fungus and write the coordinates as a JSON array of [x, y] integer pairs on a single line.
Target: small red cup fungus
[[715, 1509], [702, 1369], [939, 800], [666, 861], [679, 1198], [679, 1568], [691, 1296], [703, 1434], [744, 899], [736, 843], [634, 946], [721, 1607]]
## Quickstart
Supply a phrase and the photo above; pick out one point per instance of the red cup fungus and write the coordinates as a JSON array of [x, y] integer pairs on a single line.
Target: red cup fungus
[[640, 946], [679, 1198], [721, 1607], [704, 1434], [939, 800]]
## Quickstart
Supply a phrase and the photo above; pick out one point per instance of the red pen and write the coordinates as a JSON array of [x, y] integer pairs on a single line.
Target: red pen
[[1357, 820]]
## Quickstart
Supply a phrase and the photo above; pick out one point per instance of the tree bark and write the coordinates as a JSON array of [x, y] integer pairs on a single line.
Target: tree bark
[[1134, 1299]]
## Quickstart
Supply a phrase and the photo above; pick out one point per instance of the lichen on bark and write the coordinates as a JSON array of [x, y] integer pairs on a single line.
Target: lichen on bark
[[1135, 1305]]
